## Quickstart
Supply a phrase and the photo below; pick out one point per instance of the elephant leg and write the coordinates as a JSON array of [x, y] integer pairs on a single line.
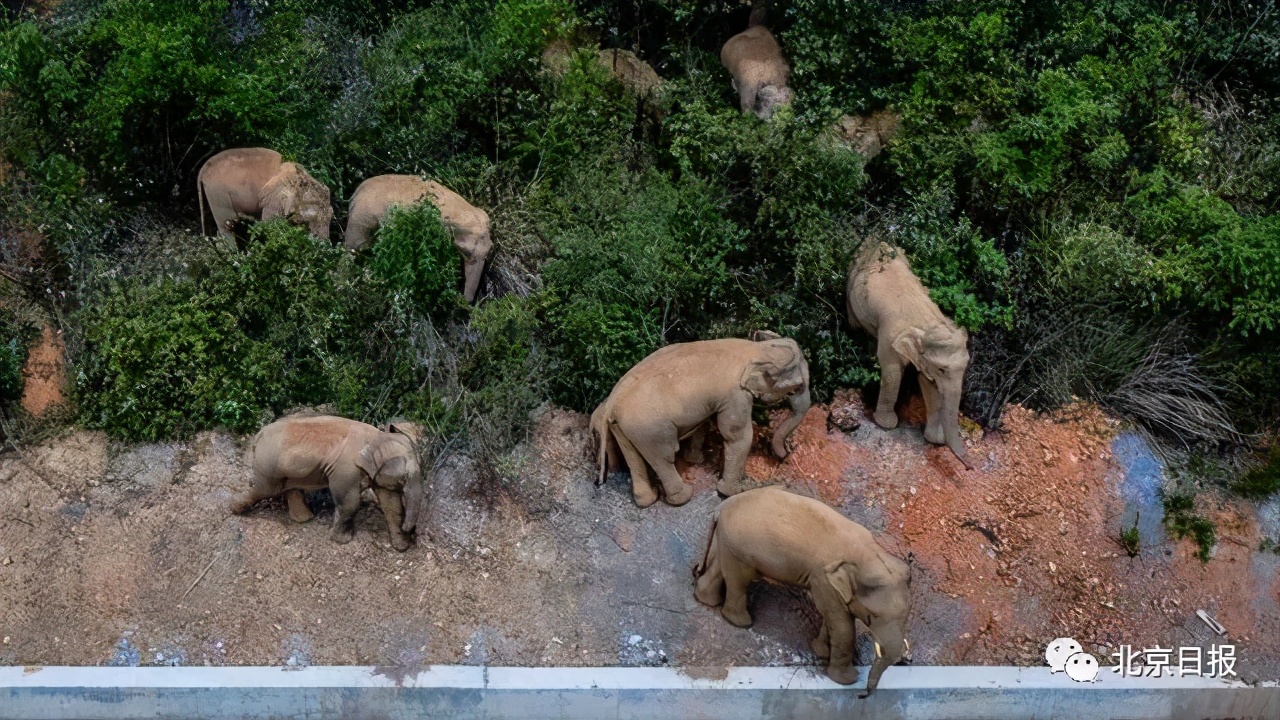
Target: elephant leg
[[224, 217], [263, 488], [347, 497], [837, 630], [709, 589], [932, 411], [892, 648], [659, 442], [393, 511], [735, 428], [737, 576], [821, 644], [298, 510], [641, 488], [890, 381], [693, 452]]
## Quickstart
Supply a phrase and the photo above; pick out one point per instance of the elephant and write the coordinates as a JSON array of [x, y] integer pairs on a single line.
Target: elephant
[[888, 301], [759, 71], [299, 453], [673, 393], [257, 183], [868, 134], [469, 224], [794, 540]]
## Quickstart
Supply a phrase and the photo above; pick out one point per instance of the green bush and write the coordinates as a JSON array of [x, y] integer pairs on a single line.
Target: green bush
[[414, 258]]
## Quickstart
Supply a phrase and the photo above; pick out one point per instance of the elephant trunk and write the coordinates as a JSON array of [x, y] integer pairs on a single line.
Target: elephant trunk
[[951, 429], [412, 495], [799, 406]]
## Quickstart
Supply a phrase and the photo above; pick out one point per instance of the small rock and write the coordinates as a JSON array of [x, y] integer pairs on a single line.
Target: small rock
[[6, 561], [634, 640]]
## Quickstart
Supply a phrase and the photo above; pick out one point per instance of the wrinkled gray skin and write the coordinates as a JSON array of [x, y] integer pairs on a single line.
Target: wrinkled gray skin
[[468, 223], [798, 541], [256, 183], [887, 300], [300, 453], [672, 394], [760, 73]]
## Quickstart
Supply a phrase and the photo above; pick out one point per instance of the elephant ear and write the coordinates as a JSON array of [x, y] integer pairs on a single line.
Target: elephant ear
[[840, 575], [280, 201], [762, 374], [762, 335], [910, 346], [367, 461]]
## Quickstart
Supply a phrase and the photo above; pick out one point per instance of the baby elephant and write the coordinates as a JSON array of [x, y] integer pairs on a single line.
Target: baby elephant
[[759, 71], [795, 540], [308, 453]]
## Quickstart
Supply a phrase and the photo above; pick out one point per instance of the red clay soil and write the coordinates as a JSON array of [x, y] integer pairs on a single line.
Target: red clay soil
[[45, 374], [1029, 540]]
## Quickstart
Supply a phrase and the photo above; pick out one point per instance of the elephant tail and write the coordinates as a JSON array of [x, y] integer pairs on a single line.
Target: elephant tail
[[604, 436], [200, 200], [701, 567]]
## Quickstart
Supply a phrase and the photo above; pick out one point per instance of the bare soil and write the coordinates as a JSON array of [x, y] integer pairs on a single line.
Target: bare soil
[[127, 555], [45, 374]]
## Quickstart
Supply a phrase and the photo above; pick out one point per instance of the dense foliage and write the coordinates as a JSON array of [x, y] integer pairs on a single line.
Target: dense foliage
[[1091, 189]]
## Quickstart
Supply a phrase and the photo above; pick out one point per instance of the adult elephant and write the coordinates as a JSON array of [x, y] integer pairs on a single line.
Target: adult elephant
[[888, 301], [671, 395], [300, 453], [257, 183], [760, 73], [468, 223]]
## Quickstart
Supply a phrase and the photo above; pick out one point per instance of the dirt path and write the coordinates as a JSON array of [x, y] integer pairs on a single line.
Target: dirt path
[[126, 555]]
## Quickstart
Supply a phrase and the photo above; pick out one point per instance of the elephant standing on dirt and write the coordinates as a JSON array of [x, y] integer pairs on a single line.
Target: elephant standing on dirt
[[469, 224], [760, 73], [887, 300], [672, 394], [775, 534], [312, 452], [256, 183]]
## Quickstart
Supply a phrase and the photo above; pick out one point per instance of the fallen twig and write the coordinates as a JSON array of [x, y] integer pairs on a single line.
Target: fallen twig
[[200, 577]]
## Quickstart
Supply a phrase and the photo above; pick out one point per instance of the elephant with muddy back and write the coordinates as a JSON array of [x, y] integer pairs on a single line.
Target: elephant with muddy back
[[300, 453], [887, 300], [468, 224], [775, 534], [257, 184], [673, 393]]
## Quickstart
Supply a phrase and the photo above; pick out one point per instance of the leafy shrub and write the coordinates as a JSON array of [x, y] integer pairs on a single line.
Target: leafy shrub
[[15, 339], [1263, 479], [414, 256], [1183, 522]]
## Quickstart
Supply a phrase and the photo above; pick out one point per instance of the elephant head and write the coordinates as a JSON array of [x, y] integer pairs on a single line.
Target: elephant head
[[941, 355], [391, 461], [876, 589], [771, 97], [779, 372], [295, 195]]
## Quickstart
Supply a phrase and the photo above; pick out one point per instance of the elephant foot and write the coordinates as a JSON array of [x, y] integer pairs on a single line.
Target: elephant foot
[[729, 489], [737, 618], [680, 496], [886, 419], [401, 542], [709, 594], [820, 648], [342, 536], [934, 435], [298, 510], [845, 675], [240, 507], [646, 498]]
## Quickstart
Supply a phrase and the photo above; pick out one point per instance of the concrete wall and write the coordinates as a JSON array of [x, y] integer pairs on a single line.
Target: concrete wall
[[472, 692]]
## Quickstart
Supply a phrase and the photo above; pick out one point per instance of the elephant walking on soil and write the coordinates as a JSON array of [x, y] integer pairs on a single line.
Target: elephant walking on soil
[[798, 541], [469, 224], [887, 300], [294, 454], [672, 394], [257, 183]]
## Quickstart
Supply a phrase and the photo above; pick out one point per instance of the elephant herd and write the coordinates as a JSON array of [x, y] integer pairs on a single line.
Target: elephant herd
[[256, 183], [659, 409]]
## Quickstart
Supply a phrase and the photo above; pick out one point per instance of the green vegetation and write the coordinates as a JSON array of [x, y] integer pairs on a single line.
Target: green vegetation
[[1263, 479], [1183, 522], [1129, 538], [1091, 190]]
